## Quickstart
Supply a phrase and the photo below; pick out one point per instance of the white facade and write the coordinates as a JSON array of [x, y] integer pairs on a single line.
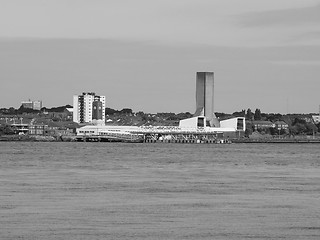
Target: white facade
[[316, 118], [37, 105], [83, 109], [97, 130], [76, 109], [193, 122], [238, 123], [233, 124], [94, 130]]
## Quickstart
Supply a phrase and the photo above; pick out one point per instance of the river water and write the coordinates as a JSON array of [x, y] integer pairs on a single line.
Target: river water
[[159, 191]]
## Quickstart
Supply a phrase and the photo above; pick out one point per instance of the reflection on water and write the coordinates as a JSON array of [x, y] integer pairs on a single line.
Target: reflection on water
[[159, 191]]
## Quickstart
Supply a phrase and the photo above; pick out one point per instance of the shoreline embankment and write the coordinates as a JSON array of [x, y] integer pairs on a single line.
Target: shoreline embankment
[[36, 138], [41, 138], [283, 140]]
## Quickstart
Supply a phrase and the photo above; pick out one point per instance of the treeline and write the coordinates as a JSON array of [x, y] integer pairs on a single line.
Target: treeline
[[297, 123], [287, 124], [148, 116], [22, 110]]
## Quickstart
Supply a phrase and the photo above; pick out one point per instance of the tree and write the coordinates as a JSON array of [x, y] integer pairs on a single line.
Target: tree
[[185, 115], [126, 111], [110, 111], [140, 113], [249, 129], [257, 114], [299, 128], [298, 120], [242, 113], [249, 114], [22, 109], [6, 129], [311, 128]]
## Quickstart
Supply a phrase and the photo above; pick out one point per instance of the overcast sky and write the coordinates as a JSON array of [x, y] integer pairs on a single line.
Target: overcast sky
[[144, 54]]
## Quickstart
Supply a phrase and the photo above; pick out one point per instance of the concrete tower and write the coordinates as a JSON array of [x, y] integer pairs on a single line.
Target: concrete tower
[[205, 98]]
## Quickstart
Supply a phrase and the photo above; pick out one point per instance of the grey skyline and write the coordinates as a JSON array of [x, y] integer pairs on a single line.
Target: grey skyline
[[144, 54]]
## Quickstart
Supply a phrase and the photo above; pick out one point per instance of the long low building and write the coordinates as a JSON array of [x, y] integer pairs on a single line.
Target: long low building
[[188, 129]]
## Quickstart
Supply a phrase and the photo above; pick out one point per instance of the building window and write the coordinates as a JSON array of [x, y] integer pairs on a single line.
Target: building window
[[240, 124], [200, 122]]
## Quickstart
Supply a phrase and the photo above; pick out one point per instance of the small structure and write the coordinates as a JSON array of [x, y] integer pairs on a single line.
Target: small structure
[[20, 128], [37, 129], [259, 124], [316, 119], [281, 125]]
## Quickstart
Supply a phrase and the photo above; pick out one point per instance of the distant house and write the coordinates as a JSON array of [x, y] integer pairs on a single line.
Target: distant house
[[50, 130], [259, 124], [70, 110], [316, 119], [308, 119], [20, 128], [281, 125], [37, 129]]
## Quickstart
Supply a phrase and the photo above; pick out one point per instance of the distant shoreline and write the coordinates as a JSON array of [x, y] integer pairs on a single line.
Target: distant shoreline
[[35, 138], [276, 141], [39, 138]]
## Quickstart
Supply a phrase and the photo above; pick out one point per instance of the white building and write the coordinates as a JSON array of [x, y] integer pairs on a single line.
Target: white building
[[89, 108], [229, 125], [190, 125], [316, 119], [35, 105]]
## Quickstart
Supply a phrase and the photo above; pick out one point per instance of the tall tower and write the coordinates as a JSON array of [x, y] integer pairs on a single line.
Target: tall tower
[[205, 98]]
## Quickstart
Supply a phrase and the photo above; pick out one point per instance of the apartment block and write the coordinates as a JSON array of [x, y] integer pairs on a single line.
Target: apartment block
[[88, 107]]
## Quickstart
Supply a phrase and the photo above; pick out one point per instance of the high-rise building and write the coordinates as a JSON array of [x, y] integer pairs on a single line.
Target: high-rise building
[[205, 98], [35, 105], [97, 110], [88, 107], [27, 104]]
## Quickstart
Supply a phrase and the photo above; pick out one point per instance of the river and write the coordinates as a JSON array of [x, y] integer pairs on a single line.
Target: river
[[76, 190]]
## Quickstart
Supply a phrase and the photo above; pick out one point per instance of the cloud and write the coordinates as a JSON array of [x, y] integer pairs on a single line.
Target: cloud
[[297, 63], [211, 22], [293, 16], [306, 38]]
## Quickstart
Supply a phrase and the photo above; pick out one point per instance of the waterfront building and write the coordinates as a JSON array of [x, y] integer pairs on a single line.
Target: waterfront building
[[88, 108], [189, 133]]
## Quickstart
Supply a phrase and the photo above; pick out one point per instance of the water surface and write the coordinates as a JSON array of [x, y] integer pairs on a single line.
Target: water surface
[[159, 191]]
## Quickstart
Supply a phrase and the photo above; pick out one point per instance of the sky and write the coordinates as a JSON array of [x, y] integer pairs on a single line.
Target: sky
[[144, 54]]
